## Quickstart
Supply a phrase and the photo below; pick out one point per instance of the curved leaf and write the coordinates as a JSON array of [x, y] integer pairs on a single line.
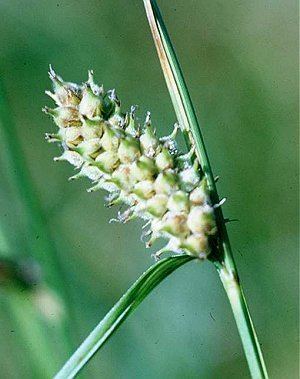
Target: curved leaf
[[120, 311]]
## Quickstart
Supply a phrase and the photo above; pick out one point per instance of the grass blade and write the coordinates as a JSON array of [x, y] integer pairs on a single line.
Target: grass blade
[[176, 85], [121, 310], [223, 258]]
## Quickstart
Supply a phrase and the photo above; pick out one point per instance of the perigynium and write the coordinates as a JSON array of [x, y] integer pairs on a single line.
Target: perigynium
[[165, 188]]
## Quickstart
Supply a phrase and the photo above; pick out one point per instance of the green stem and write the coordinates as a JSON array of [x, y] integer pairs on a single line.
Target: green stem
[[222, 255], [244, 323]]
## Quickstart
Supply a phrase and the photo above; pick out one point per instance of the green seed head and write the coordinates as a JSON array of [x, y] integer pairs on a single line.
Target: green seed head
[[137, 168]]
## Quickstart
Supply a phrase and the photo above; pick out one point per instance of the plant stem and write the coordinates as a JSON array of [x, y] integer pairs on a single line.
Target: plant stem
[[222, 255], [244, 323]]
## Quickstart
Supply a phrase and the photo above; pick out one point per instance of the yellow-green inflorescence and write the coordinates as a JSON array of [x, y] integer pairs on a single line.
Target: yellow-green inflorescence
[[136, 167]]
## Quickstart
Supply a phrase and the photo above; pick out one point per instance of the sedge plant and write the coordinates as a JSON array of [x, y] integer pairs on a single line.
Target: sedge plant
[[173, 192]]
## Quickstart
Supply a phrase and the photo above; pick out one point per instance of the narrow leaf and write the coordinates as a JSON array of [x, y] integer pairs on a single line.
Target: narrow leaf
[[176, 85], [121, 310], [223, 257], [186, 115]]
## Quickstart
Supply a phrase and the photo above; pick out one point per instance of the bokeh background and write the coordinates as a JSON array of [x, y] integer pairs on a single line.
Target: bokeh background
[[240, 63]]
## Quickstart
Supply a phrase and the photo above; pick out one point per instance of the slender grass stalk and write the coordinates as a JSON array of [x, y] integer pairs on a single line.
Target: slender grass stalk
[[121, 310], [223, 257], [40, 248], [244, 323]]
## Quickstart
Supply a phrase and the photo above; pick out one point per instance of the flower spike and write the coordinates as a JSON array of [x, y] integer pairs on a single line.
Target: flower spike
[[136, 168]]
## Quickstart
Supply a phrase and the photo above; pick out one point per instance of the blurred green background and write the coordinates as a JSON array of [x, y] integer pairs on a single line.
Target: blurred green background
[[240, 62]]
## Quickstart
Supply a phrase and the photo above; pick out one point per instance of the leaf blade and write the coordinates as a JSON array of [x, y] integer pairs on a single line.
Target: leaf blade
[[222, 257], [177, 87], [118, 314]]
